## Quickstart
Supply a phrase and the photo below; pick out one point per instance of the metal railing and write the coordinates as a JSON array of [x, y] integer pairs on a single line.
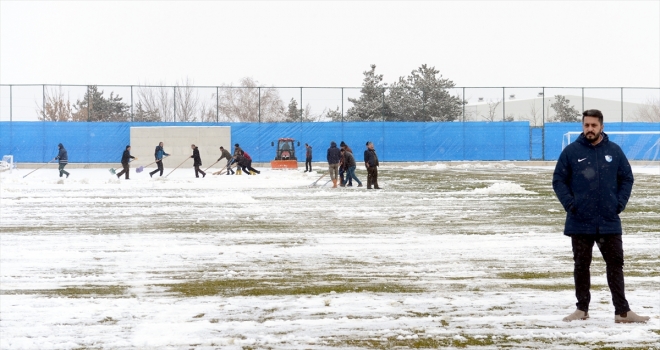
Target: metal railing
[[174, 103]]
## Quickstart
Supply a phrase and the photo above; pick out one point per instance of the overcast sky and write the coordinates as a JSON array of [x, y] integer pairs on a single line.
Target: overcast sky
[[473, 43]]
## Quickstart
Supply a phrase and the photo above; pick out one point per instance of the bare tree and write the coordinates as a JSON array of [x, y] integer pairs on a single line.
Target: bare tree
[[156, 102], [649, 112], [57, 108], [308, 116], [492, 110], [208, 112], [533, 117], [187, 101], [250, 103]]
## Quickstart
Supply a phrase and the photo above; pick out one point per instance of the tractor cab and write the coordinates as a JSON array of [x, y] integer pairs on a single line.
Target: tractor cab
[[285, 154]]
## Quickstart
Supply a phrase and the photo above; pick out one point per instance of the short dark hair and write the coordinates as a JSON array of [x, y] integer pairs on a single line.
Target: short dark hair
[[129, 146], [593, 113]]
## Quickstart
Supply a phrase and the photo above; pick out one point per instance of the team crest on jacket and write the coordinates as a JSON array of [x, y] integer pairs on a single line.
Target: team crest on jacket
[[608, 158]]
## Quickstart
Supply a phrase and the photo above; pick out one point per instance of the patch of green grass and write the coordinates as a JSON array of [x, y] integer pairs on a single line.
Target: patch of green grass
[[85, 291], [553, 287], [533, 275], [497, 308], [281, 286], [108, 320], [418, 343], [636, 273]]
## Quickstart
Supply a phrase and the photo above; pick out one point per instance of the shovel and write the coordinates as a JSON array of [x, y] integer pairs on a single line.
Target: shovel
[[38, 168], [317, 180], [141, 168]]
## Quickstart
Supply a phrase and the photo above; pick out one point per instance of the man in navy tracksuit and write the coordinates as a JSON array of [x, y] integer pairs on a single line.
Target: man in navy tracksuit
[[159, 154], [593, 181], [63, 158]]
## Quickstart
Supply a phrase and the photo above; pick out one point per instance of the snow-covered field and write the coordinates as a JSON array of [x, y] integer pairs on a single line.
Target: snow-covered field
[[445, 256]]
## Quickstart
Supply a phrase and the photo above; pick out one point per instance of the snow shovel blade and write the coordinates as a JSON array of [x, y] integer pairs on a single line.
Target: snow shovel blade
[[139, 169], [112, 171]]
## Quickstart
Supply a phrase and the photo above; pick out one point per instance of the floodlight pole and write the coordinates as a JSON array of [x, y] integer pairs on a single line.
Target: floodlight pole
[[132, 103], [622, 105], [10, 106]]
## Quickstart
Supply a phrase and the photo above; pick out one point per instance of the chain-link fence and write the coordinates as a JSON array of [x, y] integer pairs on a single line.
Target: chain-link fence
[[261, 104]]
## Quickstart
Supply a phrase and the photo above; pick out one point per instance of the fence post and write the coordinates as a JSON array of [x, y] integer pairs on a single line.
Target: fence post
[[89, 109], [132, 116], [582, 99], [259, 106], [382, 107], [463, 103], [503, 123], [43, 101], [301, 106], [622, 106], [342, 105], [175, 103], [10, 105], [543, 133]]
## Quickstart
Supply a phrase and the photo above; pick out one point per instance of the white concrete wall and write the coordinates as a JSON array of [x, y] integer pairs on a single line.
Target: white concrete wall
[[177, 141]]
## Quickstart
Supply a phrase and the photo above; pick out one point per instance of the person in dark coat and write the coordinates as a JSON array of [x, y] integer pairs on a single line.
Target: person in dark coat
[[349, 161], [593, 181], [125, 159], [308, 158], [238, 149], [230, 160], [245, 163], [371, 163], [197, 161], [63, 158], [159, 154], [248, 161], [343, 168], [333, 162]]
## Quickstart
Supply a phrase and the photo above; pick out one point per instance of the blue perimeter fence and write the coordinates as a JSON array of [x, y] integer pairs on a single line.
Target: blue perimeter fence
[[36, 142]]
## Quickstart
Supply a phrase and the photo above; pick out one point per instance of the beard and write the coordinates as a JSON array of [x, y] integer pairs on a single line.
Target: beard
[[592, 136]]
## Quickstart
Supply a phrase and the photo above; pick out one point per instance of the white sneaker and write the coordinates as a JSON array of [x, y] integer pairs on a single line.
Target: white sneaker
[[630, 317], [577, 315]]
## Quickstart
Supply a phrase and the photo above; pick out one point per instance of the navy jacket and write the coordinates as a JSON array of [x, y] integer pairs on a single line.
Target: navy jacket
[[593, 183], [159, 153], [126, 157], [371, 158], [333, 153], [62, 156]]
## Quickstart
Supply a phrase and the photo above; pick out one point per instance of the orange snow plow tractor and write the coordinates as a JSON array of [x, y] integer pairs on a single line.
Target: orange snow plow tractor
[[285, 155]]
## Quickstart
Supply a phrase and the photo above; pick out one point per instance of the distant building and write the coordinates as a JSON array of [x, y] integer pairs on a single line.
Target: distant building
[[532, 109]]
